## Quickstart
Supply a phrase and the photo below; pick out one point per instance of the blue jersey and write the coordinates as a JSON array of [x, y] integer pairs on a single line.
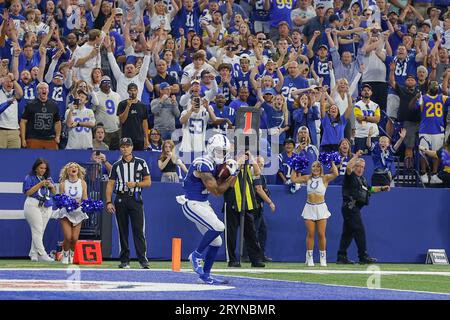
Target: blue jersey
[[59, 95], [237, 103], [258, 12], [280, 10], [403, 68], [175, 71], [226, 89], [275, 119], [432, 111], [194, 189], [243, 80], [226, 113], [322, 69], [283, 166], [29, 94], [290, 85], [263, 72], [188, 20], [382, 159]]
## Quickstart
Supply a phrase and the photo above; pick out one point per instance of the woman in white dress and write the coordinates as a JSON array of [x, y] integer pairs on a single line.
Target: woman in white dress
[[316, 211], [72, 184]]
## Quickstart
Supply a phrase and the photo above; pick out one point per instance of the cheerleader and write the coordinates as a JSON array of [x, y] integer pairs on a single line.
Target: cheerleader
[[316, 211], [72, 184]]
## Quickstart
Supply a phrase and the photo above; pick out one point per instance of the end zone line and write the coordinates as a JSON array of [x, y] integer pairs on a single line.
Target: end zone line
[[244, 270]]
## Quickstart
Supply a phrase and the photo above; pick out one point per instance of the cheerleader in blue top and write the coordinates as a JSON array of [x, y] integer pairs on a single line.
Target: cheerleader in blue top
[[38, 187]]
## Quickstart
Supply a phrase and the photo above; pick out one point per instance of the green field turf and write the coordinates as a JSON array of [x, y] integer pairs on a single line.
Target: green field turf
[[429, 283]]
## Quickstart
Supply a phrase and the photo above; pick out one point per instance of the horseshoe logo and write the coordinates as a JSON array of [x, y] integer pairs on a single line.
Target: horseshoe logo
[[73, 194], [314, 184]]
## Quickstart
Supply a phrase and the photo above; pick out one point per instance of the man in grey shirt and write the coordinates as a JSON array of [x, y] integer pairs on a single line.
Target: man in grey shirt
[[165, 109]]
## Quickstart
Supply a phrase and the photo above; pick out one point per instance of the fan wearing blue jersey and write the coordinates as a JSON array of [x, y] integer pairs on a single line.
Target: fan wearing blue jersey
[[199, 182], [260, 16], [320, 60], [433, 107], [404, 64], [221, 110], [284, 169]]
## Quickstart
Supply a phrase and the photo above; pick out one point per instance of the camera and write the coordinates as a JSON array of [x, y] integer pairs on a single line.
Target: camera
[[76, 101]]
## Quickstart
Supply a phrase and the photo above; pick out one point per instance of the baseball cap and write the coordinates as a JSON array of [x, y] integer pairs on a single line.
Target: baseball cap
[[323, 46], [269, 91], [283, 22], [163, 85], [105, 80], [229, 41], [126, 141], [425, 23], [58, 75], [289, 140], [410, 76], [244, 56], [119, 11], [195, 81], [320, 5], [132, 85], [393, 12], [366, 86]]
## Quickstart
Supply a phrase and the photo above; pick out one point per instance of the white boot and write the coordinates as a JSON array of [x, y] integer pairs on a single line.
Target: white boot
[[71, 254], [323, 258], [309, 258], [65, 258], [44, 258]]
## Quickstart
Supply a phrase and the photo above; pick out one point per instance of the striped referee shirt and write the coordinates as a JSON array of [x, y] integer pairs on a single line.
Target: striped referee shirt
[[133, 171]]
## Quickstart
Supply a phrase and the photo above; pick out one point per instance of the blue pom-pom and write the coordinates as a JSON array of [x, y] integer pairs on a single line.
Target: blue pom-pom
[[325, 158], [91, 206], [298, 162], [64, 201]]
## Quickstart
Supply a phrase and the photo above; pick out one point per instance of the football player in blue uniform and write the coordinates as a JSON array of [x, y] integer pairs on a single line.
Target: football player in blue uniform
[[199, 182]]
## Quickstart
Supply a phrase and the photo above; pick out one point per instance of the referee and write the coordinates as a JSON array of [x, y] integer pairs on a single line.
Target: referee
[[129, 175]]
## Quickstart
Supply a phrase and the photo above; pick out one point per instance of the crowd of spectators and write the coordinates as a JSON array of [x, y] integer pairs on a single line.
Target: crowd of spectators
[[326, 74]]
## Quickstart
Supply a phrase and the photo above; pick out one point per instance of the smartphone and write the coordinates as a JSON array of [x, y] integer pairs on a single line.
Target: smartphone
[[97, 153]]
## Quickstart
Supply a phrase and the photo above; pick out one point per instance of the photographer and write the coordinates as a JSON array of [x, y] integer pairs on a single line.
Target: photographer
[[80, 121], [356, 193]]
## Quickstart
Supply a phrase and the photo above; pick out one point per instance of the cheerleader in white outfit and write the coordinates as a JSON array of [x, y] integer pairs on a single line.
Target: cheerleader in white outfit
[[72, 184], [316, 211]]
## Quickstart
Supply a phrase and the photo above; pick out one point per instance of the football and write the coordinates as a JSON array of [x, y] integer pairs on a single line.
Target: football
[[222, 173]]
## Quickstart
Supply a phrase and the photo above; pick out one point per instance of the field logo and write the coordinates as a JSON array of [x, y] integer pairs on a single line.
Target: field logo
[[374, 280]]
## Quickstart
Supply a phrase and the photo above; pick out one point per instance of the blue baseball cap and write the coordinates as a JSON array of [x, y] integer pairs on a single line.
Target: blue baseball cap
[[164, 85], [58, 75], [269, 91]]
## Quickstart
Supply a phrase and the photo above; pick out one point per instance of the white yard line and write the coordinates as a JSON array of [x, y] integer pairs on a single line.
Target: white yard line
[[252, 271]]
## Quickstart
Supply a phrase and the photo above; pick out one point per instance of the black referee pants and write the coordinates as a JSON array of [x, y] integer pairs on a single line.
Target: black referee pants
[[128, 208], [353, 229], [233, 220]]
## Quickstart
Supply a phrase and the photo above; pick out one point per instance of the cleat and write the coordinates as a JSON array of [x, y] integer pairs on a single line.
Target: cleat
[[124, 265], [197, 262], [145, 265], [207, 279], [344, 260]]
